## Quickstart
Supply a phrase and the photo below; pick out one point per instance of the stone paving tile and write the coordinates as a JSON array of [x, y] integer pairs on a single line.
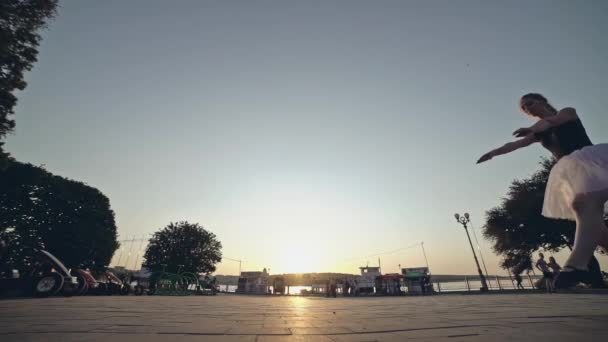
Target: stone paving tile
[[388, 337], [437, 333], [290, 324], [533, 317], [400, 326], [294, 338], [589, 326], [549, 332], [125, 338], [30, 337], [257, 330], [195, 329], [321, 331]]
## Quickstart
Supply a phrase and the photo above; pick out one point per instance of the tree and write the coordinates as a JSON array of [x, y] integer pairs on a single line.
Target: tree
[[185, 246], [518, 229], [70, 219], [20, 22]]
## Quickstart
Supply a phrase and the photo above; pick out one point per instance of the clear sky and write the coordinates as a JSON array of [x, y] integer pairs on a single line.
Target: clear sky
[[307, 135]]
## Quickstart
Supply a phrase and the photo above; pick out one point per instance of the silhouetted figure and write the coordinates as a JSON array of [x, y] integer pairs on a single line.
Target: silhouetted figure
[[554, 266], [429, 286], [333, 288], [519, 280], [542, 265], [423, 285], [577, 188]]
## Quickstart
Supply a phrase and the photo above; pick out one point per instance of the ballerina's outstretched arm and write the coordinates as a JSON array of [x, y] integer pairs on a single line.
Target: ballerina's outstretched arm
[[565, 115], [508, 147]]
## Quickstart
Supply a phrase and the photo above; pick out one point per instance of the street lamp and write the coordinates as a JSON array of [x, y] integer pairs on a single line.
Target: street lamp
[[464, 220]]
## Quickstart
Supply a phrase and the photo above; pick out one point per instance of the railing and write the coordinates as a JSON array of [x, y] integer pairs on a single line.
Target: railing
[[466, 284], [494, 284]]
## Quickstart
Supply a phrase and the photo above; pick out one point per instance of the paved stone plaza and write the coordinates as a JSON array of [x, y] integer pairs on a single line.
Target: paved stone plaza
[[505, 317]]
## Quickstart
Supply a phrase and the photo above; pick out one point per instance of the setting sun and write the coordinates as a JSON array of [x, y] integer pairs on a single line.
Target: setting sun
[[300, 259]]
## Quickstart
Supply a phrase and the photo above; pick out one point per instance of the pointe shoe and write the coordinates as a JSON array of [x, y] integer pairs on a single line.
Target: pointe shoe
[[568, 279]]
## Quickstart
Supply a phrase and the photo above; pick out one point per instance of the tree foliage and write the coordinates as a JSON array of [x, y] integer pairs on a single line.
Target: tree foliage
[[70, 219], [183, 246], [20, 24], [517, 228]]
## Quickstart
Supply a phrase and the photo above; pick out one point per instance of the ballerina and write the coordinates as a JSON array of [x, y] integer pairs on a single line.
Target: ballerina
[[577, 188]]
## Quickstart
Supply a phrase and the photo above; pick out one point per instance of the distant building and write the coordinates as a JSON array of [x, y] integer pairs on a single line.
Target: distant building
[[367, 281], [253, 282], [417, 280]]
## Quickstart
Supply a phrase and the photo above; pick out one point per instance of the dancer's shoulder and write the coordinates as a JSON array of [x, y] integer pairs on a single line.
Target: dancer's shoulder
[[568, 113]]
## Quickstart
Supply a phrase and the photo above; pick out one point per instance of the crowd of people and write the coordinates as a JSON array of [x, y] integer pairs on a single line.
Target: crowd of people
[[550, 271]]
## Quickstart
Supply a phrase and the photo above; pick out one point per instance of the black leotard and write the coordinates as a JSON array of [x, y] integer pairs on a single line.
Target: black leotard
[[564, 139]]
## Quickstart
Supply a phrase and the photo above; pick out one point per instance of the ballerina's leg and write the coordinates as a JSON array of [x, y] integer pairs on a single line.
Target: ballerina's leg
[[591, 230]]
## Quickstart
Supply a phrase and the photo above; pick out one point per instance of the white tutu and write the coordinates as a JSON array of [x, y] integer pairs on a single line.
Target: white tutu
[[582, 171]]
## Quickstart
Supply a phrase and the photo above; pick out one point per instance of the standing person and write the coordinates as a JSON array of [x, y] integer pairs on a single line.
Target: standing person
[[542, 265], [555, 268], [519, 280], [332, 287], [422, 286], [577, 188]]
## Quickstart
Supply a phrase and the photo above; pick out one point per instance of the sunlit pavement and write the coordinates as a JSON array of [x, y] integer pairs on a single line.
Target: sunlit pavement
[[508, 317]]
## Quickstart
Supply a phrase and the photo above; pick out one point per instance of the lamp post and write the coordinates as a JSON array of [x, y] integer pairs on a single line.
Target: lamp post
[[464, 220]]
